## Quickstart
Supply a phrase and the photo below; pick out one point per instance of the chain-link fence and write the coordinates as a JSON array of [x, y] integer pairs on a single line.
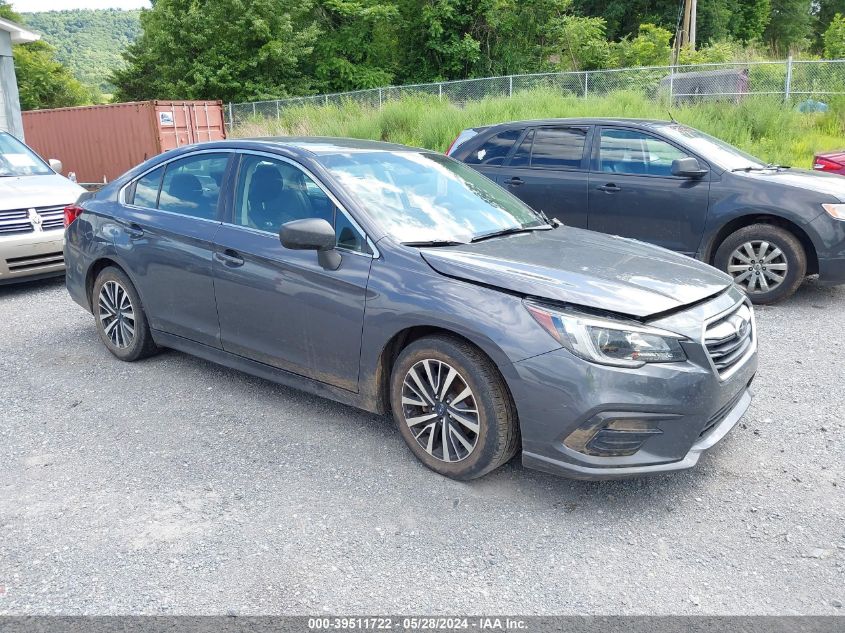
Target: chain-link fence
[[676, 84]]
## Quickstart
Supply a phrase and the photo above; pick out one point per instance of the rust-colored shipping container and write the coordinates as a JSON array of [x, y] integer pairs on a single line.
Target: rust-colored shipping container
[[101, 142]]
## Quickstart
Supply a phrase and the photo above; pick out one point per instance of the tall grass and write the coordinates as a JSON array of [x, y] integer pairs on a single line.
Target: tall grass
[[763, 126]]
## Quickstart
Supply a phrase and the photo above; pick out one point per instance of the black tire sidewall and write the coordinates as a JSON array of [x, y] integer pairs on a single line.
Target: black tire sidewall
[[790, 246], [142, 344], [483, 458]]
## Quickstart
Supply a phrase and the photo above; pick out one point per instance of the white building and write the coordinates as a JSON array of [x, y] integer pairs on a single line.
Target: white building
[[10, 107]]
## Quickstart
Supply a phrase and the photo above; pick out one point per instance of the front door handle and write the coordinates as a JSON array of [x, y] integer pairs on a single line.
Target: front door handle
[[515, 181], [229, 258], [609, 188]]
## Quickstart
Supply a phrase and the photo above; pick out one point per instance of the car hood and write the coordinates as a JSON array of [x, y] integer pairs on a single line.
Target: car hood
[[23, 192], [837, 157], [584, 268], [824, 183]]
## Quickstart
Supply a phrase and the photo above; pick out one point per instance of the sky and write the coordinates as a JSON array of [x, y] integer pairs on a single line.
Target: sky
[[28, 6]]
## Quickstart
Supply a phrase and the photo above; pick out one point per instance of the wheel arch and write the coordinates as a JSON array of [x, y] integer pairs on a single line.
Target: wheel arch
[[764, 218], [404, 337]]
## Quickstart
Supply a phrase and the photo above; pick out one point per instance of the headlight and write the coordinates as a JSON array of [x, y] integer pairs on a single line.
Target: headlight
[[835, 210], [606, 341]]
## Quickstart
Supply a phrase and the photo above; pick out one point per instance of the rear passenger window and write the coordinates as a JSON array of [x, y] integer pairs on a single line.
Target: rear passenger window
[[146, 189], [494, 149], [191, 186], [558, 147]]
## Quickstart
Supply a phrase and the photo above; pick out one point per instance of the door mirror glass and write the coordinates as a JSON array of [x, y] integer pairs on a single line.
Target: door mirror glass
[[687, 167], [310, 234]]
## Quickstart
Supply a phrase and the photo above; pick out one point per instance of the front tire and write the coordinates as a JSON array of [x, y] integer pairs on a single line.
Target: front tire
[[453, 408], [766, 261], [121, 322]]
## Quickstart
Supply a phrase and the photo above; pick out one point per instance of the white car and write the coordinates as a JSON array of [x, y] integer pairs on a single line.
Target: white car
[[32, 201]]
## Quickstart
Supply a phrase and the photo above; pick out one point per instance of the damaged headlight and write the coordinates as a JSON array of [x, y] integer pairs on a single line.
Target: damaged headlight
[[606, 341]]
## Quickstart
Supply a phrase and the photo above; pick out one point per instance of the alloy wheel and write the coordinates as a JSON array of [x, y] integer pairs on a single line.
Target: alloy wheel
[[758, 266], [117, 315], [440, 409]]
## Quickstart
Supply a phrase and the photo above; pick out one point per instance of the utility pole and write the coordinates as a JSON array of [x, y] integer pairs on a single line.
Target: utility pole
[[693, 12], [686, 34]]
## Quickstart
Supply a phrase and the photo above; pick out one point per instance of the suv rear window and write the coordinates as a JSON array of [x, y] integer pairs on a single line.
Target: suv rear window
[[493, 151]]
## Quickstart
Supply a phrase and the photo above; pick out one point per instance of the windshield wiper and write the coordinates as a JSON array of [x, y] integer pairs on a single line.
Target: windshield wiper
[[432, 243], [511, 231], [767, 167]]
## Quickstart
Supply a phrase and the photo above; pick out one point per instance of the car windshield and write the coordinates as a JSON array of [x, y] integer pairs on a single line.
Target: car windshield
[[16, 159], [721, 153], [420, 197]]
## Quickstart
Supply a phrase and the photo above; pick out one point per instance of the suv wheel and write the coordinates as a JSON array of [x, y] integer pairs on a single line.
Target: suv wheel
[[766, 261], [121, 322], [453, 408]]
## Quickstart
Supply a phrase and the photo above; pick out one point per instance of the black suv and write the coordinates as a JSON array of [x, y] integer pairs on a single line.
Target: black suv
[[661, 182]]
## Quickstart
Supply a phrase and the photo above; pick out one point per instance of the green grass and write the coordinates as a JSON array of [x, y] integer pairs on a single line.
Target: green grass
[[763, 126]]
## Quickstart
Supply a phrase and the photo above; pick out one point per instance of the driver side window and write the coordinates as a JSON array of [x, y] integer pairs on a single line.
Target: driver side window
[[630, 152], [272, 192]]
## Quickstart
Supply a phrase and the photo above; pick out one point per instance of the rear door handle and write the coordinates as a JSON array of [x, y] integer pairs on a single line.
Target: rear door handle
[[134, 231], [229, 258], [515, 181], [609, 188]]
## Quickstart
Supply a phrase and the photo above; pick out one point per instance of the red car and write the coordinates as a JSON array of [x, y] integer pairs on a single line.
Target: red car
[[833, 162]]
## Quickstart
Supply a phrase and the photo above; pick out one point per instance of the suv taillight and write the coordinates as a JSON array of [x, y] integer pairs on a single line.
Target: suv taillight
[[452, 144], [72, 212], [825, 164]]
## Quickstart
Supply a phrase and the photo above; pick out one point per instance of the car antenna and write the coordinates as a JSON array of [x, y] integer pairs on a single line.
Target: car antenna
[[671, 118]]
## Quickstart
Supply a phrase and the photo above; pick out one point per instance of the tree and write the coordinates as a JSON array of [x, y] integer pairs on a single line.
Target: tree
[[42, 81], [357, 48], [88, 41], [749, 19], [235, 50], [7, 13], [651, 47], [790, 26], [826, 10], [579, 43], [436, 39], [834, 38]]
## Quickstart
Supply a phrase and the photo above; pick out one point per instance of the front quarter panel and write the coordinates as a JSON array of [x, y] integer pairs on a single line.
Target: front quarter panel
[[404, 292]]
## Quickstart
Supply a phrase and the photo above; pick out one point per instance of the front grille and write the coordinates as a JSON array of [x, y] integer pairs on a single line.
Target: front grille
[[16, 221], [52, 218], [18, 264], [729, 338]]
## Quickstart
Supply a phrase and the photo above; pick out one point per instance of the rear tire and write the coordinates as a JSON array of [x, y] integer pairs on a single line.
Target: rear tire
[[446, 392], [766, 261], [121, 322]]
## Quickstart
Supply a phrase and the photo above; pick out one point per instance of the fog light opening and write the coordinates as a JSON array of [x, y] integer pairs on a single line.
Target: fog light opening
[[612, 437]]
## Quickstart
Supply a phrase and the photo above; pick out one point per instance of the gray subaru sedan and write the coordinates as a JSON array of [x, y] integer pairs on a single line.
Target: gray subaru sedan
[[401, 281]]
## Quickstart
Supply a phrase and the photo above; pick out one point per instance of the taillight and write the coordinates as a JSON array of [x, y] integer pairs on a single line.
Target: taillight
[[825, 164], [72, 212], [452, 144]]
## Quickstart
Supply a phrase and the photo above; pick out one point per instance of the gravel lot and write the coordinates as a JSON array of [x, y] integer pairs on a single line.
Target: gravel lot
[[176, 486]]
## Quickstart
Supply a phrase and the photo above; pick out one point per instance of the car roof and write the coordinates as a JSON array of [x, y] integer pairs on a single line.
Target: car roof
[[650, 123], [327, 144]]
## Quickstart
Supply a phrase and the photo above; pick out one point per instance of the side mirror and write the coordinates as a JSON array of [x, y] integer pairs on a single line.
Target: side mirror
[[312, 234], [688, 167], [55, 165]]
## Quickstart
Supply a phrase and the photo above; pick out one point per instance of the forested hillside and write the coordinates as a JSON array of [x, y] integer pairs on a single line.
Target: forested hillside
[[89, 42]]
